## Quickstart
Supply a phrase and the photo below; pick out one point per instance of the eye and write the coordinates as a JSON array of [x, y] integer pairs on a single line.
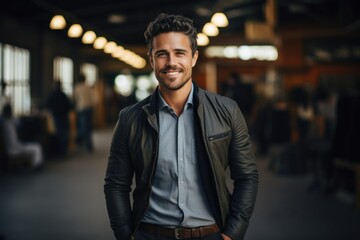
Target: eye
[[180, 53], [161, 54]]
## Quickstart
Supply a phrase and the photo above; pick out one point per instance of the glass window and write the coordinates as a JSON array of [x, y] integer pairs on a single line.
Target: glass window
[[90, 71], [64, 71], [15, 73]]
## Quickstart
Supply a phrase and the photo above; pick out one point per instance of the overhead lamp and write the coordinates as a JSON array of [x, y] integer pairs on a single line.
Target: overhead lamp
[[210, 29], [110, 47], [88, 37], [100, 43], [75, 31], [202, 39], [57, 22], [220, 19], [119, 50]]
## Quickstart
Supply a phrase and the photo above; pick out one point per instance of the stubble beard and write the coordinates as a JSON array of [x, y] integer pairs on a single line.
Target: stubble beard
[[168, 86]]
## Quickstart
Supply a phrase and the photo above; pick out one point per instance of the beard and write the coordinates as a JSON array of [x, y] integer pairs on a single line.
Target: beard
[[170, 83]]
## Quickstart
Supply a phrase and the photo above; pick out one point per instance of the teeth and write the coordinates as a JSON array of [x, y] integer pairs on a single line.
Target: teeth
[[172, 73]]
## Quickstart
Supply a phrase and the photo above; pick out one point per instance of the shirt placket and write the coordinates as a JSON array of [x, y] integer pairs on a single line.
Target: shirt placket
[[181, 161]]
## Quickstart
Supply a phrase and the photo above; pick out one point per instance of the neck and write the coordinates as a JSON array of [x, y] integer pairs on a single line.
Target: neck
[[176, 99]]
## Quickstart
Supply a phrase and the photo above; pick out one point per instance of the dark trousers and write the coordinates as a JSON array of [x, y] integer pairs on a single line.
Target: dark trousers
[[141, 235], [62, 135], [84, 133]]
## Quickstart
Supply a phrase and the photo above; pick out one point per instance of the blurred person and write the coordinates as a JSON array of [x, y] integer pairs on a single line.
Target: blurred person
[[13, 146], [304, 112], [85, 98], [60, 106], [179, 142], [243, 93], [3, 98], [320, 146]]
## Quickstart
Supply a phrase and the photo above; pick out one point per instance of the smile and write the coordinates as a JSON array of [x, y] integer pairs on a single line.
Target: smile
[[172, 73]]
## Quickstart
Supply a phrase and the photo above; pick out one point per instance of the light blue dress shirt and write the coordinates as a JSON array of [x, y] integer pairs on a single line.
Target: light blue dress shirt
[[178, 197]]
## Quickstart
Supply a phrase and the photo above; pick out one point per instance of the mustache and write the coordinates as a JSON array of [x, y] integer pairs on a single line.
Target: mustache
[[172, 68]]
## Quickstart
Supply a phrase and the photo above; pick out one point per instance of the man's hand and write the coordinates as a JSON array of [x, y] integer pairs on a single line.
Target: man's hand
[[225, 237]]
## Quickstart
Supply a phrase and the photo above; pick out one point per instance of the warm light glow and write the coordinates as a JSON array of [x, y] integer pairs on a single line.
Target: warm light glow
[[214, 51], [211, 30], [119, 50], [75, 31], [89, 37], [202, 39], [231, 52], [110, 47], [220, 20], [100, 43], [57, 22], [126, 55], [244, 52], [124, 84]]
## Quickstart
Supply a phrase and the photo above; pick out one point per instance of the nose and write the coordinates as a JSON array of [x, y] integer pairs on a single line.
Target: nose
[[171, 60]]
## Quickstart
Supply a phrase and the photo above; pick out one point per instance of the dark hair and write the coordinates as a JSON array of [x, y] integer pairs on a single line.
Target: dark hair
[[165, 23], [82, 78]]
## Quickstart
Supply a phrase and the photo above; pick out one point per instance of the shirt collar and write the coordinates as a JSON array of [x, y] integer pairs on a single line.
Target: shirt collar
[[189, 101]]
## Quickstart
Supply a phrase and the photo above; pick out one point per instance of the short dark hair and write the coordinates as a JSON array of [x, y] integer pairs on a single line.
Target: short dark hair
[[165, 23]]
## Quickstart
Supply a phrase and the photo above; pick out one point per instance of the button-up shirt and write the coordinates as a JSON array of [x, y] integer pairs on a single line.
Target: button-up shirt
[[178, 197]]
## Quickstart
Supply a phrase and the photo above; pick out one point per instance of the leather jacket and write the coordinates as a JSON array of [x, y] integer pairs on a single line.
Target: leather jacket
[[222, 141]]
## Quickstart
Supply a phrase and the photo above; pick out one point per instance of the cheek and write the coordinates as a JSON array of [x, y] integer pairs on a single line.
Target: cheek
[[158, 64]]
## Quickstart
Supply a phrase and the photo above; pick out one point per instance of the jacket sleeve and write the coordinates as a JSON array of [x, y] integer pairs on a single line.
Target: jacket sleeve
[[244, 173], [118, 182]]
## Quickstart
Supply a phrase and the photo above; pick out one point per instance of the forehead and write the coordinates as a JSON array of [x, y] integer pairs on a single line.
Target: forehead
[[171, 40]]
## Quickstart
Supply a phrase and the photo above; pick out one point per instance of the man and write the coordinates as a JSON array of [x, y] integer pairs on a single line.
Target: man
[[60, 106], [84, 103], [179, 142]]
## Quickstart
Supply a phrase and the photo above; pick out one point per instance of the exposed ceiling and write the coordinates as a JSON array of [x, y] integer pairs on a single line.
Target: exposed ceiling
[[125, 21]]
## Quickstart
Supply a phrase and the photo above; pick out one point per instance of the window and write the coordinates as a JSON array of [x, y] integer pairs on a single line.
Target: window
[[15, 73], [90, 71], [64, 71]]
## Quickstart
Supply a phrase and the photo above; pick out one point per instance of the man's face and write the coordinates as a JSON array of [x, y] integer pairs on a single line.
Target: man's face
[[172, 60]]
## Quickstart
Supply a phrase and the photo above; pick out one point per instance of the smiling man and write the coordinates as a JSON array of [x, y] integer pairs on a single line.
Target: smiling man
[[179, 143]]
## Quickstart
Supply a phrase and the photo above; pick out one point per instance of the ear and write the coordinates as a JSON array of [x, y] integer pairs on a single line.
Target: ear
[[194, 58]]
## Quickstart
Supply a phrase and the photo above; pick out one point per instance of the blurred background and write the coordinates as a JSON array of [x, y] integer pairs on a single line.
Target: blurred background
[[292, 66]]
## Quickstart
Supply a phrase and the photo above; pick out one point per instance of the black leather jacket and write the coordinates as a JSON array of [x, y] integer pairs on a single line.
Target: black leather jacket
[[222, 140]]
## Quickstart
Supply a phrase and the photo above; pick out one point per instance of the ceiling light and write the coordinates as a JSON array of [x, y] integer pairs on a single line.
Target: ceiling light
[[220, 20], [210, 29], [57, 22], [75, 31], [202, 39], [100, 43], [110, 47], [89, 37], [118, 51]]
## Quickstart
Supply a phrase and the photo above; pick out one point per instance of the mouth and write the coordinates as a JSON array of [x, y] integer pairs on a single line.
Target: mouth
[[171, 72]]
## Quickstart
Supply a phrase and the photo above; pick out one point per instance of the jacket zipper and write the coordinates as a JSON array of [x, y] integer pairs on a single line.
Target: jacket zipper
[[212, 138]]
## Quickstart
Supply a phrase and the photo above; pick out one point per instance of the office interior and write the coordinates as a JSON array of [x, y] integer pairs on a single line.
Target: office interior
[[292, 66]]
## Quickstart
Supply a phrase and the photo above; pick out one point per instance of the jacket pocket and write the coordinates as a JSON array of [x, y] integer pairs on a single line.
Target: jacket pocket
[[219, 136], [219, 147]]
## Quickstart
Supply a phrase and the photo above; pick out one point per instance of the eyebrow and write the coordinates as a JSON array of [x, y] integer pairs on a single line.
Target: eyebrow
[[176, 50], [180, 50]]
